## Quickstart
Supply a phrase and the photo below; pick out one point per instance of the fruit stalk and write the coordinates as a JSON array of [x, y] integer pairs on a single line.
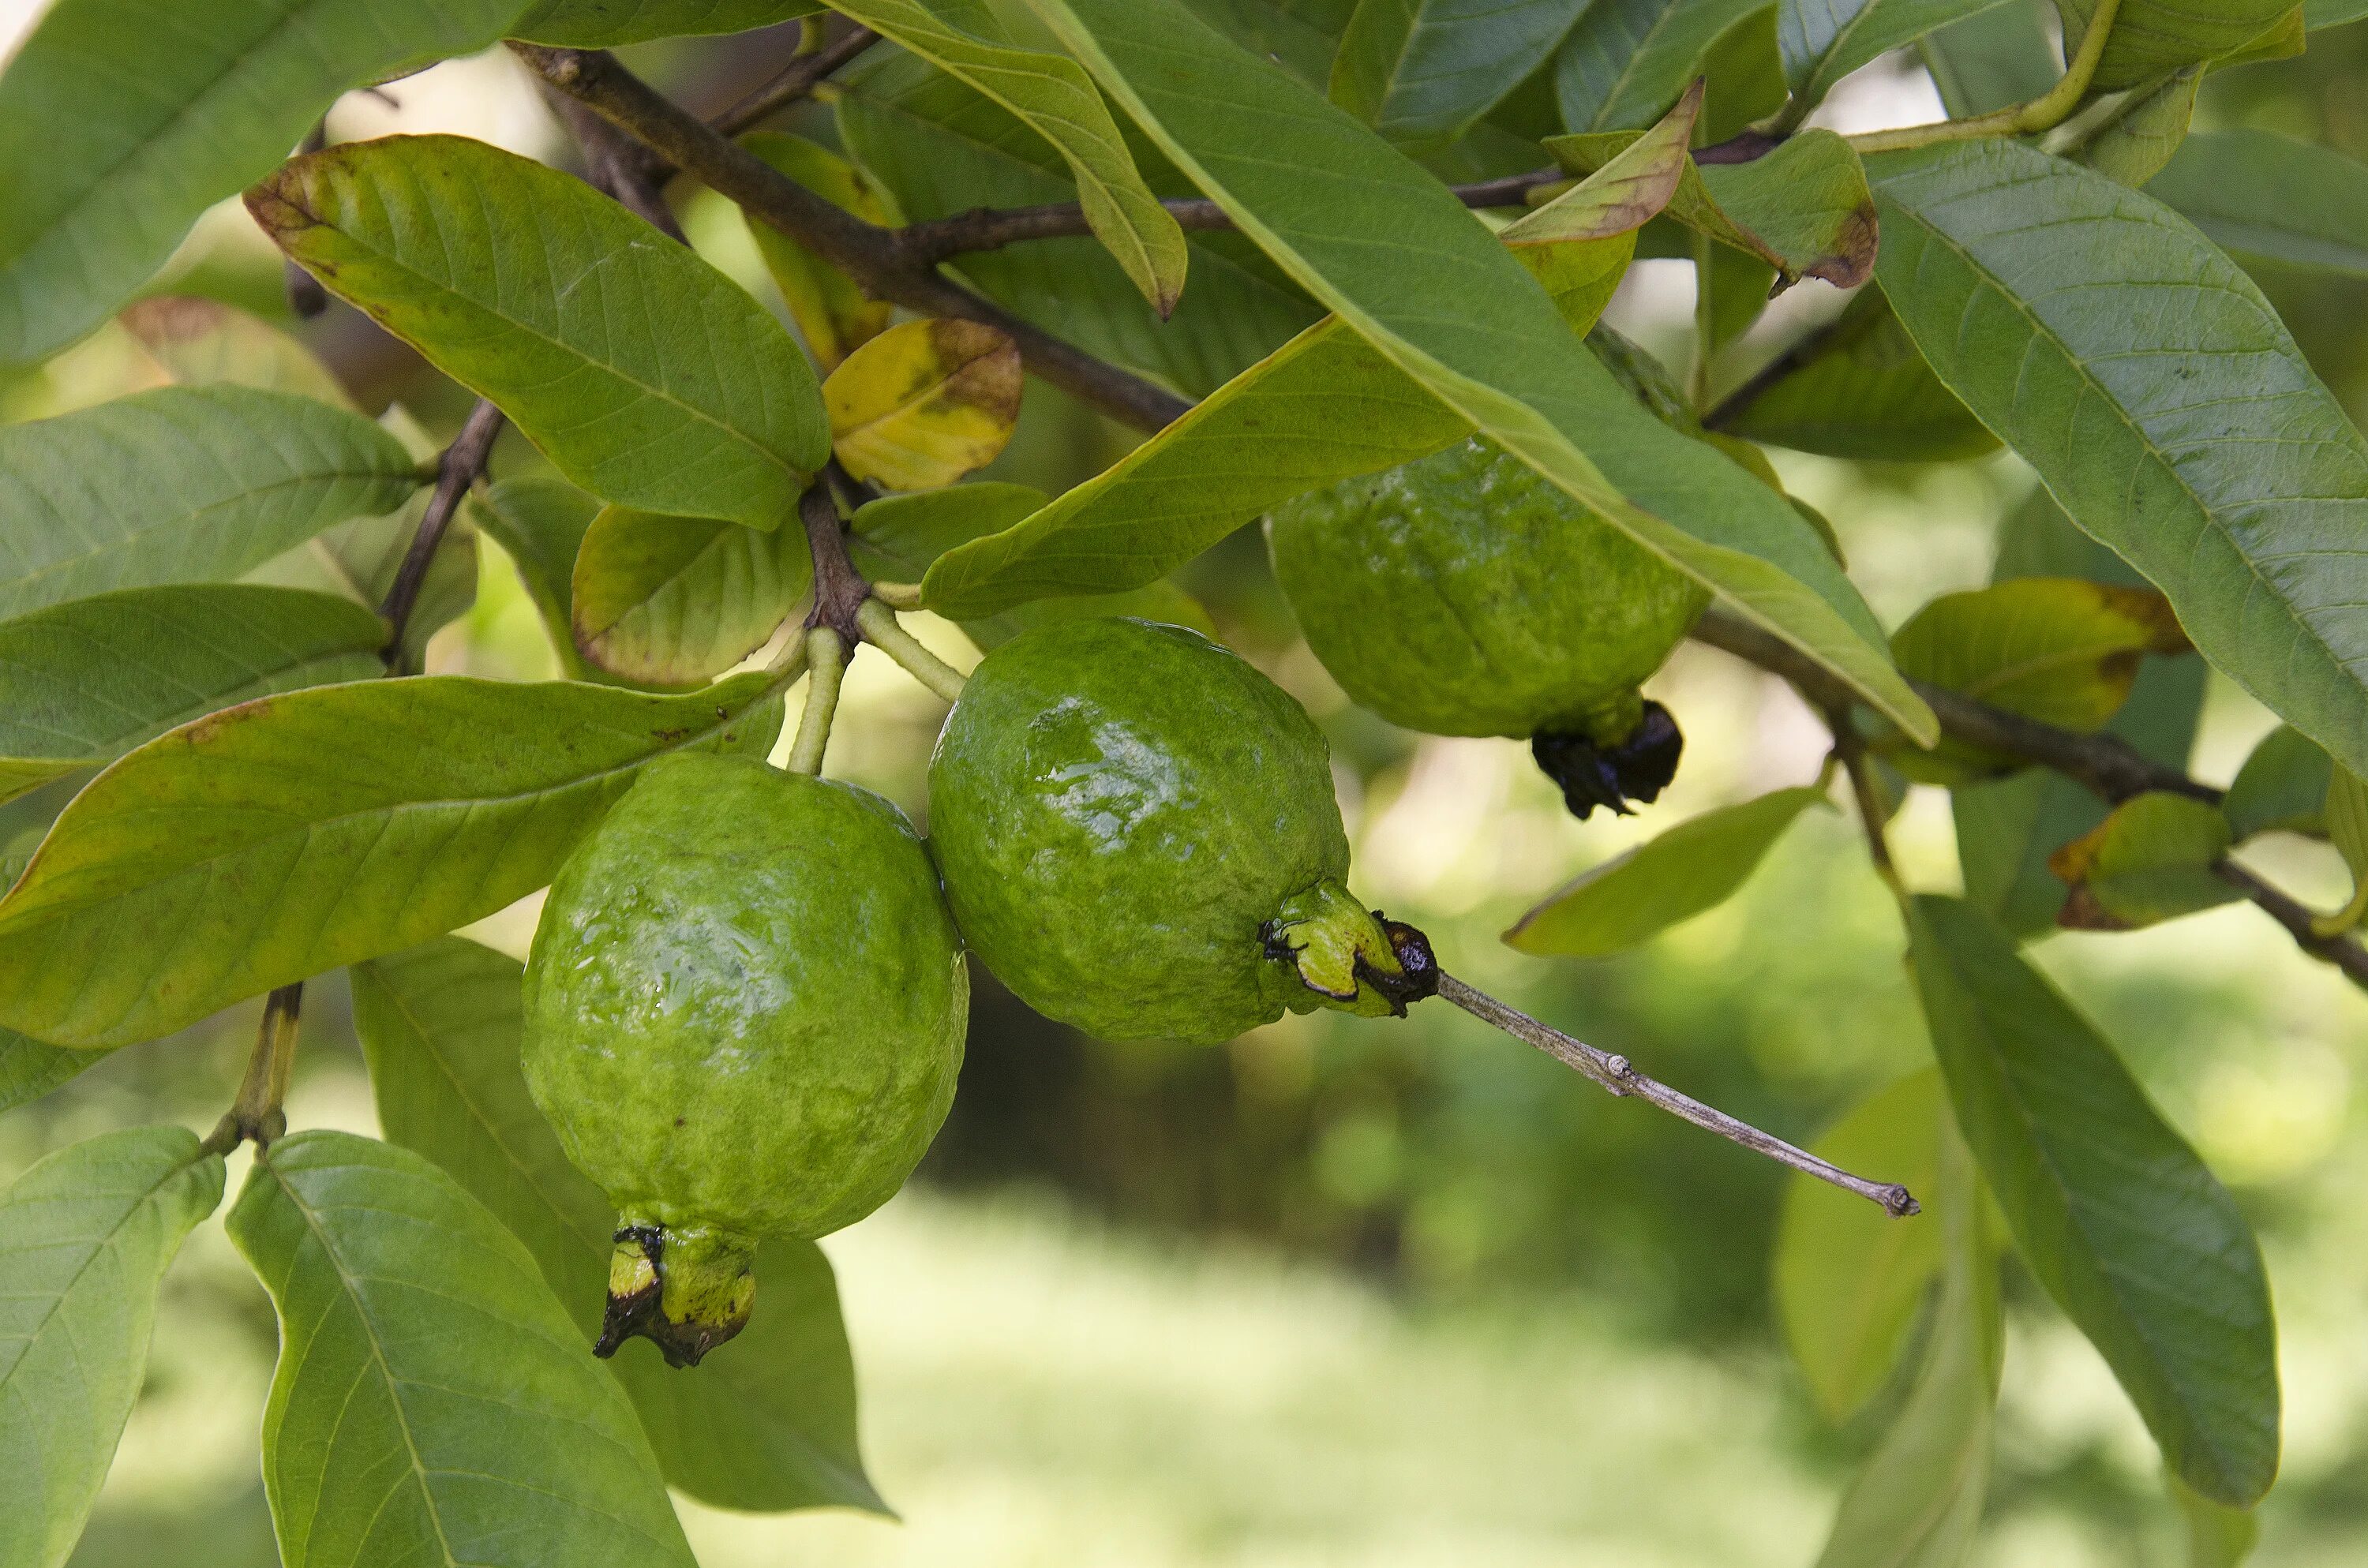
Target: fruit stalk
[[257, 1112], [826, 664], [1614, 1074], [883, 632]]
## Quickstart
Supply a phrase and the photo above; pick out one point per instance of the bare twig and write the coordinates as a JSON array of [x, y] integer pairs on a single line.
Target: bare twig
[[798, 79], [616, 163], [1615, 1075], [875, 257], [456, 470], [1850, 747], [2343, 952]]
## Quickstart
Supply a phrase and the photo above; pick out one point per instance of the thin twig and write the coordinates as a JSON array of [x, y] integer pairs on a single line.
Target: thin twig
[[802, 76], [1850, 747], [873, 255], [2343, 952], [1616, 1076], [616, 163], [455, 472]]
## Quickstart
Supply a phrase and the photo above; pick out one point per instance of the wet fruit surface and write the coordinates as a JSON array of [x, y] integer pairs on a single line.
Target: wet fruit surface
[[1139, 836], [1462, 595]]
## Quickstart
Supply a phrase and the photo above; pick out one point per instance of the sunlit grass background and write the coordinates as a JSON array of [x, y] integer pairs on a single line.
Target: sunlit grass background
[[1351, 1291]]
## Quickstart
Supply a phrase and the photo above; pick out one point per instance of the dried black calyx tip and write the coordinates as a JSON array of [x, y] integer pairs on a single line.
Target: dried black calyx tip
[[1417, 975], [710, 1304], [1637, 768]]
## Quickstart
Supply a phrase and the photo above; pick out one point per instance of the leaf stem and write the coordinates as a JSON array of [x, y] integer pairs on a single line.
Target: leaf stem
[[2044, 112], [2344, 919], [898, 595], [882, 629], [1616, 1076], [257, 1113], [826, 666]]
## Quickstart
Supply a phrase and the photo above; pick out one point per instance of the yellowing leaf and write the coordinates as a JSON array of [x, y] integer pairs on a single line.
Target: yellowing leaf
[[836, 317], [199, 342], [2151, 860], [924, 403]]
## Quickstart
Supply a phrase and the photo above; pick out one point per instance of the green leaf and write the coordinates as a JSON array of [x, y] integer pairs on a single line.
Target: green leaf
[[1824, 40], [83, 683], [1425, 70], [605, 24], [433, 1404], [2150, 861], [765, 1425], [201, 343], [2144, 130], [675, 601], [539, 522], [1918, 1503], [834, 316], [1632, 898], [1996, 57], [1056, 100], [1855, 389], [119, 126], [1746, 67], [2272, 198], [2061, 649], [1299, 35], [2151, 36], [2347, 820], [1341, 213], [896, 537], [2317, 13], [257, 846], [645, 375], [181, 484], [2129, 1233], [1849, 1278], [1620, 192], [943, 149], [2218, 1536], [1626, 61], [30, 1068], [84, 1239], [2162, 402], [2281, 788]]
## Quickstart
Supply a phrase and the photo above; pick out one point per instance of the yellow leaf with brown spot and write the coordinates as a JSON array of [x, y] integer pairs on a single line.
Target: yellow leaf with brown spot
[[924, 403]]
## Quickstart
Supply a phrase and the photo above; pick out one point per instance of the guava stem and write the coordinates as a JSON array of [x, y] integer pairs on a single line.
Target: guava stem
[[898, 595], [884, 632], [1614, 1074], [255, 1113], [825, 663]]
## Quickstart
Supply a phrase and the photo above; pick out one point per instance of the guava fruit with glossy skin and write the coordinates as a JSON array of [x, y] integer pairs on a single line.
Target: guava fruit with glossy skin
[[1462, 594], [1139, 837], [744, 1011]]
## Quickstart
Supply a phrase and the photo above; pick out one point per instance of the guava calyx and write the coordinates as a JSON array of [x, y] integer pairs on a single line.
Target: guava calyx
[[1594, 770], [684, 1289], [1349, 957]]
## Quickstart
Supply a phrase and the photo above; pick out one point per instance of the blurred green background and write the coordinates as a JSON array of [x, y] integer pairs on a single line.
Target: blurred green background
[[1396, 1292]]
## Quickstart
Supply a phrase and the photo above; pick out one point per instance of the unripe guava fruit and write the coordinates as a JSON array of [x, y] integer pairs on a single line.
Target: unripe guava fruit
[[1139, 837], [1462, 594], [744, 1011]]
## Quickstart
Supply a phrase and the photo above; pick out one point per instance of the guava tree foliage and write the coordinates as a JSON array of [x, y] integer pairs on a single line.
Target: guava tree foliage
[[1340, 263]]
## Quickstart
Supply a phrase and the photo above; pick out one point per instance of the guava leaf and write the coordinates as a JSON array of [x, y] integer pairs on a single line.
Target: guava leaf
[[2131, 1235], [923, 404], [835, 317], [1632, 898], [201, 342], [2144, 130], [1342, 212], [1619, 193], [675, 601], [1993, 58], [1425, 70], [2281, 787], [119, 125], [296, 832], [1054, 98], [85, 1238], [1824, 40], [1849, 1280], [1625, 61], [432, 1403], [605, 24], [2272, 198], [30, 1068], [1857, 388], [2217, 1534], [84, 682], [2152, 36], [768, 1424], [2317, 13], [2163, 402], [181, 484], [539, 522], [1917, 1502], [2150, 861], [645, 375]]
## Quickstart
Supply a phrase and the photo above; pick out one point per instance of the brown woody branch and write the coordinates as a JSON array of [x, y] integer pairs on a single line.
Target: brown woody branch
[[802, 75], [874, 256], [455, 472]]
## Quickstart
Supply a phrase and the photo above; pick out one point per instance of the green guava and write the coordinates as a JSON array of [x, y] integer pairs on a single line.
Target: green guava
[[1462, 594], [743, 1017], [1139, 837]]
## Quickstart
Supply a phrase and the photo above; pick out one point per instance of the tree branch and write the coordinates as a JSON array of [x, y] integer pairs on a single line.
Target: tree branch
[[875, 257], [455, 472], [802, 76], [2343, 952]]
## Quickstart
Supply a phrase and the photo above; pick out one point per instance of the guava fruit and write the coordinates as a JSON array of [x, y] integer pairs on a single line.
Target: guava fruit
[[744, 1010], [1462, 594], [1139, 837]]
